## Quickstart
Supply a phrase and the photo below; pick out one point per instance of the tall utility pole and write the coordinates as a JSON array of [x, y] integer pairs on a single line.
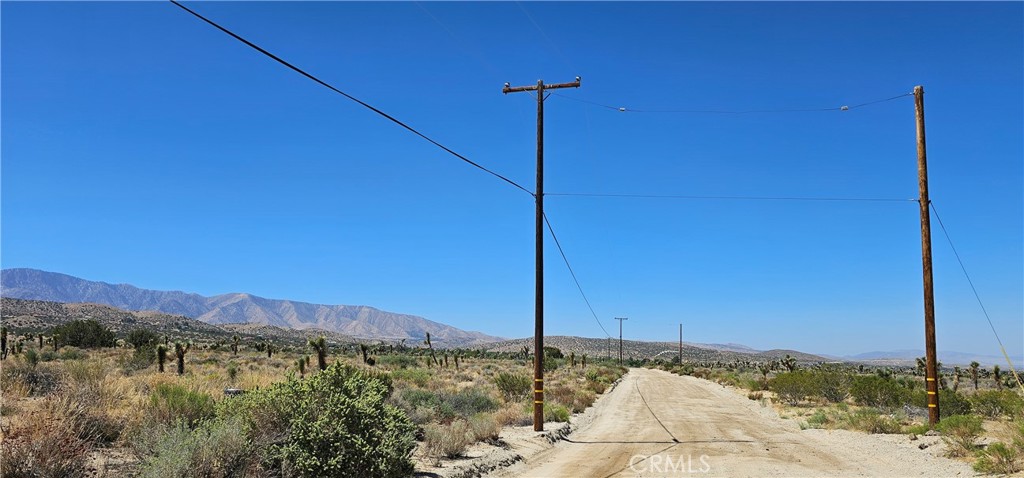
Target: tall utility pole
[[538, 337], [680, 344], [620, 319], [931, 368]]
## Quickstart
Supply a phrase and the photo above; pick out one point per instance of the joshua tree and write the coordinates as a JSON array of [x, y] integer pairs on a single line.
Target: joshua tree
[[789, 363], [996, 377], [319, 345], [40, 341], [956, 378], [446, 360], [457, 360], [764, 369], [572, 359], [921, 365], [584, 364], [270, 350], [161, 356], [232, 372], [431, 347], [3, 342], [974, 374], [234, 344], [362, 348], [301, 365], [180, 350]]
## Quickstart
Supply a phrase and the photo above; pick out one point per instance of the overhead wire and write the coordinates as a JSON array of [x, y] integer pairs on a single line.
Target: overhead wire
[[353, 98], [977, 296], [624, 109], [740, 198], [571, 272]]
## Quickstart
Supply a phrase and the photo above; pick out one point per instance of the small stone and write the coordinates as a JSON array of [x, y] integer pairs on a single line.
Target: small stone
[[932, 433], [913, 437], [922, 446]]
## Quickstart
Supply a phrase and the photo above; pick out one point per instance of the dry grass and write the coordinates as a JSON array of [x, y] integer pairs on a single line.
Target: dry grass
[[57, 415]]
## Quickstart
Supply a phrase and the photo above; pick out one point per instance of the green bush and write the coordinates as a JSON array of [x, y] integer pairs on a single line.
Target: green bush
[[872, 421], [171, 403], [334, 423], [141, 338], [999, 458], [833, 384], [84, 333], [950, 402], [216, 449], [513, 386], [417, 376], [997, 403], [794, 386], [875, 391], [397, 361], [960, 432], [71, 353], [554, 412]]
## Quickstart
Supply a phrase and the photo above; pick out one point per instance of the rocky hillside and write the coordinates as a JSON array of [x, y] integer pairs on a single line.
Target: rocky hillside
[[237, 308], [39, 316], [640, 350]]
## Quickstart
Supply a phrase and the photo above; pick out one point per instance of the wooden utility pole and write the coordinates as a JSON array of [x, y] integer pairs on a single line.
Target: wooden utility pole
[[680, 344], [538, 337], [931, 367], [620, 319]]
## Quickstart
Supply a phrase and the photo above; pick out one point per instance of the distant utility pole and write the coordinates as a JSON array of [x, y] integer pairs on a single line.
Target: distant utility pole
[[620, 319], [931, 367], [538, 335], [680, 344]]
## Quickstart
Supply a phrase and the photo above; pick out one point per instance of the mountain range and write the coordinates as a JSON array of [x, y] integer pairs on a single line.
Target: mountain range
[[236, 308]]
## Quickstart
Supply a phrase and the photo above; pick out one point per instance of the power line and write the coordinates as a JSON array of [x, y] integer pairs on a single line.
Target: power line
[[623, 109], [578, 286], [735, 198], [346, 95], [976, 295]]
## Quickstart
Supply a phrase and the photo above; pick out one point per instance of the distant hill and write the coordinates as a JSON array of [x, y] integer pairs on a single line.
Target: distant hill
[[640, 350], [236, 308], [948, 358]]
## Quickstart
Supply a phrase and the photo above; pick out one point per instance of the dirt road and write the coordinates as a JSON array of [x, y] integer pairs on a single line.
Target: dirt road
[[655, 424]]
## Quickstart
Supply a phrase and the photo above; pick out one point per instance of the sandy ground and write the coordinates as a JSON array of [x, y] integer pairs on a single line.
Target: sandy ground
[[656, 424]]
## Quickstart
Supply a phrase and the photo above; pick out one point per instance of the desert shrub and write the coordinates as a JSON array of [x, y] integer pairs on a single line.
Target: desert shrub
[[36, 381], [48, 448], [833, 384], [872, 421], [818, 420], [997, 403], [334, 423], [85, 334], [485, 427], [48, 356], [950, 402], [755, 395], [960, 432], [142, 357], [793, 386], [448, 441], [71, 353], [875, 391], [469, 401], [999, 458], [398, 361], [417, 376], [554, 412], [215, 449], [32, 357], [141, 338], [514, 415], [170, 403], [513, 386]]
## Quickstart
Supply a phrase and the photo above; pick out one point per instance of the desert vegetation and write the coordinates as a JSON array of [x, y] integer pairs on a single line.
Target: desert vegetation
[[887, 400], [100, 402]]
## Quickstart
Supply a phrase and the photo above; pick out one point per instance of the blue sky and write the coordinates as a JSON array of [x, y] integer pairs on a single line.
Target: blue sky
[[142, 146]]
